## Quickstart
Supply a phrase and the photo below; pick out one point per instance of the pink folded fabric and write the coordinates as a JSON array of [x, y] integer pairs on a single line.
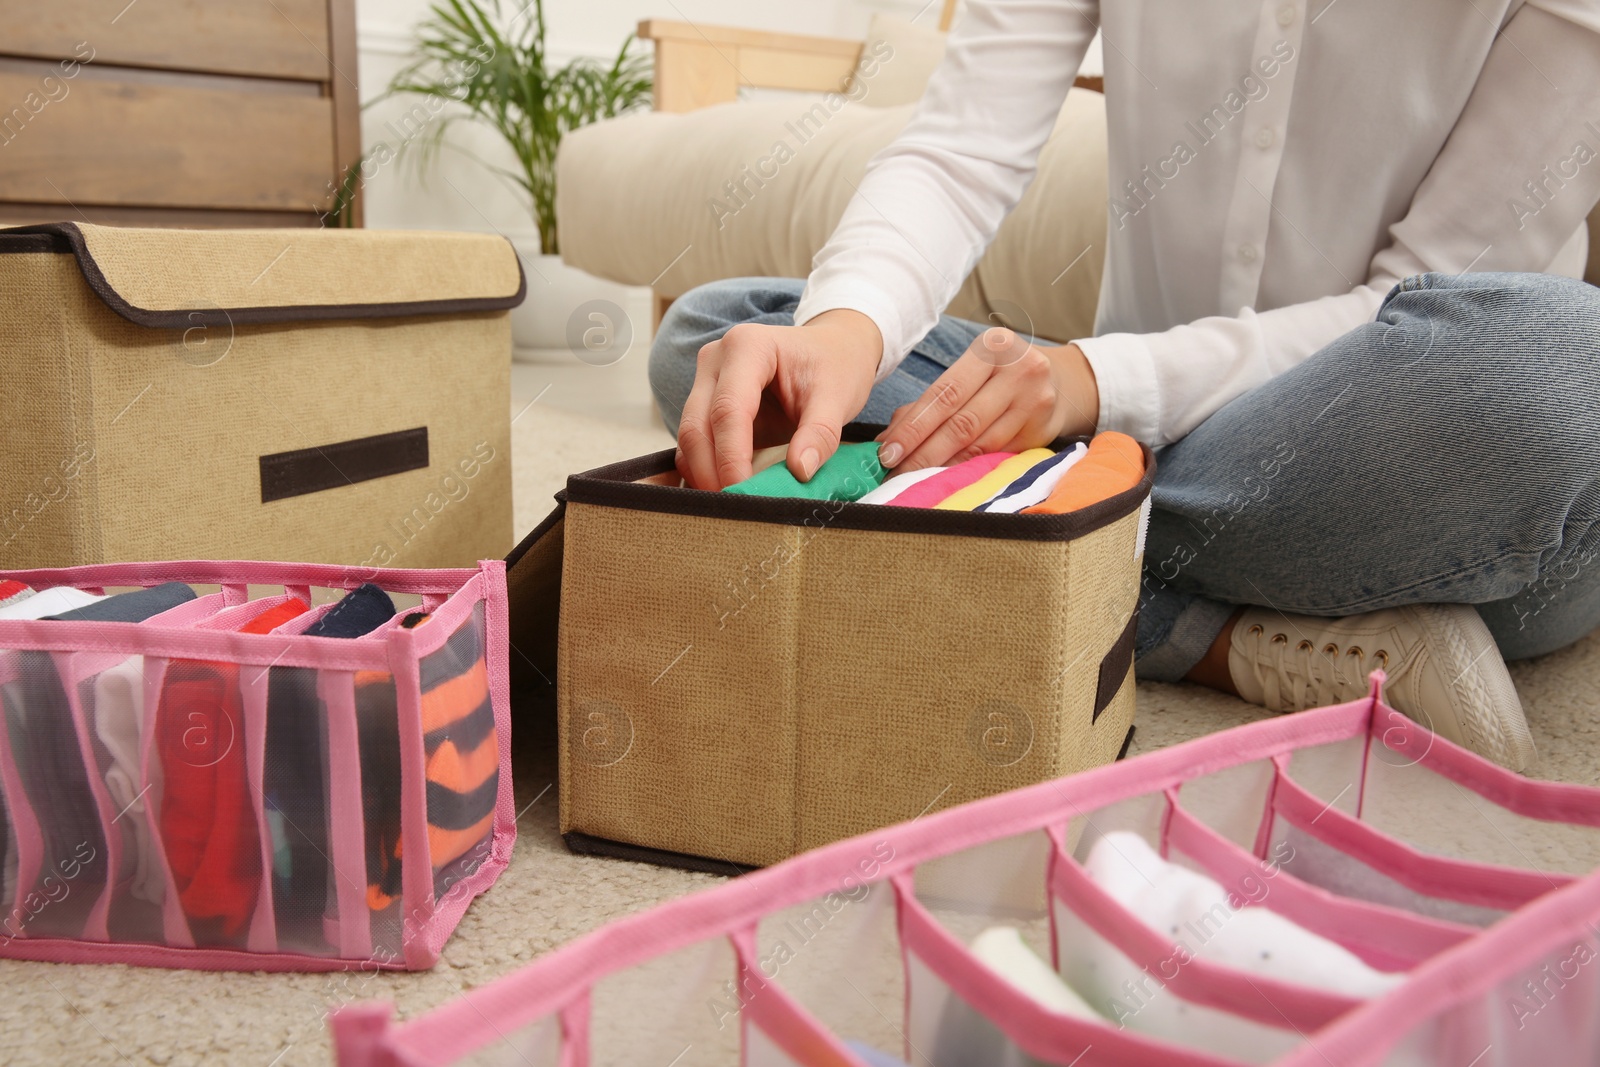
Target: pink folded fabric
[[928, 493]]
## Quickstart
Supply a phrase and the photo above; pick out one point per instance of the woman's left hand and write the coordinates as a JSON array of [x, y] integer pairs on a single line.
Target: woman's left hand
[[1002, 395]]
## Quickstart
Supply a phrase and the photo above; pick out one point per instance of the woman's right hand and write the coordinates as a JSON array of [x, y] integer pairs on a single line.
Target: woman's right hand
[[764, 385]]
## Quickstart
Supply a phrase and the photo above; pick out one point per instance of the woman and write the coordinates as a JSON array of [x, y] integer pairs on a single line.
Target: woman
[[1322, 303]]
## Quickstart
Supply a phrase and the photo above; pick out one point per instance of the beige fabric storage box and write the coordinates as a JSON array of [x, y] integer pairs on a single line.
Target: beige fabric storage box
[[739, 679], [321, 396]]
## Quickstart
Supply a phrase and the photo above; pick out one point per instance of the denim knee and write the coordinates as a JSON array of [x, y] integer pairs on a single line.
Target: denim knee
[[703, 315]]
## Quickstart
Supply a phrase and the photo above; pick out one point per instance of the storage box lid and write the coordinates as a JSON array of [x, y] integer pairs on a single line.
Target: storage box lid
[[176, 278]]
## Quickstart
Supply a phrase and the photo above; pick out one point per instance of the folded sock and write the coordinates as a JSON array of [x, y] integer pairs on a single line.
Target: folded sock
[[362, 610], [929, 493], [1034, 486], [462, 756], [850, 473], [1167, 897], [1002, 950], [47, 602], [893, 487], [136, 606], [1114, 464], [995, 482], [14, 593], [208, 824], [119, 723]]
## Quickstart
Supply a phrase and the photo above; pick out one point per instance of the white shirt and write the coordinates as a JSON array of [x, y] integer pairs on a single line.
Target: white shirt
[[1275, 168]]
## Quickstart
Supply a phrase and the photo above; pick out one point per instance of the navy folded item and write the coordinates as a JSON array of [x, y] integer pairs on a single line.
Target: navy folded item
[[136, 606], [296, 779]]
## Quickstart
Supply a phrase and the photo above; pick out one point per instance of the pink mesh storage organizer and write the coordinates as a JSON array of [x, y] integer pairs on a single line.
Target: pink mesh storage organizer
[[1337, 887], [236, 783]]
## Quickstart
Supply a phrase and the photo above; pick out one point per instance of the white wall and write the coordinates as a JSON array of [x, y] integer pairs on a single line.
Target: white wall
[[456, 193]]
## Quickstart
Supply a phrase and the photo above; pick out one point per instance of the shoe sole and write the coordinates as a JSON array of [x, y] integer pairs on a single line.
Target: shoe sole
[[1492, 715]]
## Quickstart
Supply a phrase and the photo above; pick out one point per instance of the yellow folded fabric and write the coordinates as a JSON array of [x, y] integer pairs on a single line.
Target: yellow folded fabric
[[996, 480]]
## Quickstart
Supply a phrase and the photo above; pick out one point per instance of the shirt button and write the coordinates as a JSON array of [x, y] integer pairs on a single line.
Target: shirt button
[[1265, 138], [1286, 15], [1247, 253]]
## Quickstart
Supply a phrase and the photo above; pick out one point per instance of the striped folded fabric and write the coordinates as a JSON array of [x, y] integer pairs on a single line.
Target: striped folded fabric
[[462, 760]]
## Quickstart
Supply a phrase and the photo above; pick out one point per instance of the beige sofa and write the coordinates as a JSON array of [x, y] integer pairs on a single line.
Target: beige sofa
[[710, 186]]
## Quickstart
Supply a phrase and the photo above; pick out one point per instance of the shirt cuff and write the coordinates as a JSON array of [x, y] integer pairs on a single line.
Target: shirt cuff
[[1125, 374], [869, 300]]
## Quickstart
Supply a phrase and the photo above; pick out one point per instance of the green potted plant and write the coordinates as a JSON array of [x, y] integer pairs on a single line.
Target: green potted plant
[[474, 65]]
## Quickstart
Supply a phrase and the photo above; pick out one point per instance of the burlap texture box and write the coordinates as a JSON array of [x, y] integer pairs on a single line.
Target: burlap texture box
[[739, 679], [322, 396]]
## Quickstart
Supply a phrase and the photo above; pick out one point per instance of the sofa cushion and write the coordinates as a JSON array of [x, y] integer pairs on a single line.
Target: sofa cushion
[[754, 188]]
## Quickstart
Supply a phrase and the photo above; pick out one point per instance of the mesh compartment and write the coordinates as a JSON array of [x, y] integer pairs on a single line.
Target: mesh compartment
[[682, 1008], [63, 875], [839, 957], [113, 701], [295, 781], [461, 746], [536, 1045]]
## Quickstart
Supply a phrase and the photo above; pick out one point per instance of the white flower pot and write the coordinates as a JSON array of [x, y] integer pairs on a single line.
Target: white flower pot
[[570, 314]]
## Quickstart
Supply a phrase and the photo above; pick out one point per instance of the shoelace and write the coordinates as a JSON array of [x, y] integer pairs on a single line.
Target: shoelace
[[1296, 676]]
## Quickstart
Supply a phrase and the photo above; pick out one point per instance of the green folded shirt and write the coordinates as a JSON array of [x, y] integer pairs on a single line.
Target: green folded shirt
[[850, 474]]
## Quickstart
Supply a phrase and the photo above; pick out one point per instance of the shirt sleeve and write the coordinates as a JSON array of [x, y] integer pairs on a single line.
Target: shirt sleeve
[[932, 200], [1523, 113]]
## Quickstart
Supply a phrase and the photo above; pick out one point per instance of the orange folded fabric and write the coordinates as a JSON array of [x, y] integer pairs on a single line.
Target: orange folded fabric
[[1113, 464]]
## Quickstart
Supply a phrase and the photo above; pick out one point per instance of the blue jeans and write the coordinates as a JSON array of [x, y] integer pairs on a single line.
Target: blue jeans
[[1446, 452]]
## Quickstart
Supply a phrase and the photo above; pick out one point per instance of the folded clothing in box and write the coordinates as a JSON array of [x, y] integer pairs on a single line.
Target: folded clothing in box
[[228, 781], [740, 678]]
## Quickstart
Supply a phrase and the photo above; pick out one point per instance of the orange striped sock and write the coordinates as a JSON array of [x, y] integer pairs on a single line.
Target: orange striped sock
[[1113, 464]]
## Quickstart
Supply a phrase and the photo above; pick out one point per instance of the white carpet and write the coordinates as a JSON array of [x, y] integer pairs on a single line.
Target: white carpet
[[53, 1014]]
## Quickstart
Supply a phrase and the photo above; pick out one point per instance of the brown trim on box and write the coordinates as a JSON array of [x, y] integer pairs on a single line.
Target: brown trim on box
[[1114, 667], [71, 238], [617, 486], [539, 531], [311, 470], [1127, 743], [584, 845]]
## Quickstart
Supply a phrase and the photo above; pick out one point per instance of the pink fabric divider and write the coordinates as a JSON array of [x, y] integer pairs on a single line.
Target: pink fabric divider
[[779, 1016], [1387, 938], [179, 957], [575, 1031], [416, 864], [346, 820], [1043, 1034], [1550, 927], [245, 572], [253, 692], [175, 924], [1261, 999], [1463, 881], [25, 828], [1531, 798]]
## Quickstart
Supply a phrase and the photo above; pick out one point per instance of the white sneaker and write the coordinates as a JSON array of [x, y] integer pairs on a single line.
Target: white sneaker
[[1443, 666]]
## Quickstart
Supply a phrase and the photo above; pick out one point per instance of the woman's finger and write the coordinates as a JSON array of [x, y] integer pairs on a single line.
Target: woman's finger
[[912, 425]]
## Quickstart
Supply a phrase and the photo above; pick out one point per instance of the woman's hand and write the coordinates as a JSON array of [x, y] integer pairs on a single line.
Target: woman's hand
[[1002, 395], [764, 385]]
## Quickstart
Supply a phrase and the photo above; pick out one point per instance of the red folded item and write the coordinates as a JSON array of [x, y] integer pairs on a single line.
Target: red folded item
[[208, 824]]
